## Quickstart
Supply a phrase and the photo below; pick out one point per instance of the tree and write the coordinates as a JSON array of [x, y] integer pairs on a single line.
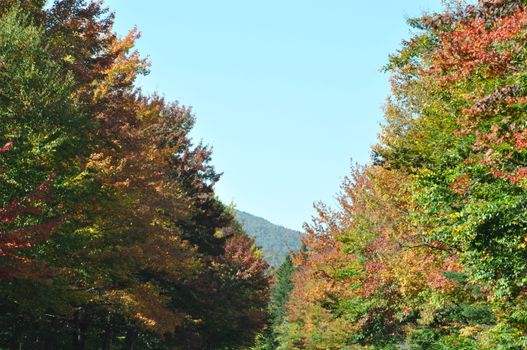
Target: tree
[[429, 241], [281, 288], [142, 254]]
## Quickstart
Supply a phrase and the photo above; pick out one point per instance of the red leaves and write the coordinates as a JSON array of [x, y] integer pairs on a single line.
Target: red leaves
[[473, 45], [520, 140], [8, 146], [16, 236], [240, 254], [515, 177]]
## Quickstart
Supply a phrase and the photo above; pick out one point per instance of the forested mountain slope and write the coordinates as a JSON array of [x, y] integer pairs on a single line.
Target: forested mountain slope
[[276, 241]]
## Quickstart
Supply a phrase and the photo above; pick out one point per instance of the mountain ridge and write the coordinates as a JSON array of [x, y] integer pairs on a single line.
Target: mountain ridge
[[275, 240]]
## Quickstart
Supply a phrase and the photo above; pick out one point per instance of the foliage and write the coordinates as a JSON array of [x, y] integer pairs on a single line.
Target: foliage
[[427, 249], [282, 286], [110, 233]]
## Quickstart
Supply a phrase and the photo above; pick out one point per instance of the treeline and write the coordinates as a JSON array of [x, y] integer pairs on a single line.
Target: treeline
[[111, 236], [428, 248]]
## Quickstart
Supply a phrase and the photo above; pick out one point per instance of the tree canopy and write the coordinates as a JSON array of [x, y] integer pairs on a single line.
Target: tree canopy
[[111, 235], [427, 249]]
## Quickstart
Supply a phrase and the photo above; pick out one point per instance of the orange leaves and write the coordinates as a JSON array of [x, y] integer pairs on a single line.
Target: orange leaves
[[461, 185], [417, 270], [146, 305], [367, 260], [317, 286], [125, 67]]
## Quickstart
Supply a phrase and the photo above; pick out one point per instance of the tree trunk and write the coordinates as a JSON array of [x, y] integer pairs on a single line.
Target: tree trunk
[[108, 334], [79, 337], [131, 339]]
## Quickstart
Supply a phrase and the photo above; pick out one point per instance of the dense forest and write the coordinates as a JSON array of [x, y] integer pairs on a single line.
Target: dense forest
[[111, 235]]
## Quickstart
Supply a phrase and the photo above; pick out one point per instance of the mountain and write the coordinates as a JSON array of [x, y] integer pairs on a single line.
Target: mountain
[[276, 241]]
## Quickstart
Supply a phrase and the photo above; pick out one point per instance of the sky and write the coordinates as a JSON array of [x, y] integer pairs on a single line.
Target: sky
[[289, 93]]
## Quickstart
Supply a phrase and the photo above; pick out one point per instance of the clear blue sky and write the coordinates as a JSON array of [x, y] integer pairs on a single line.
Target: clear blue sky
[[286, 91]]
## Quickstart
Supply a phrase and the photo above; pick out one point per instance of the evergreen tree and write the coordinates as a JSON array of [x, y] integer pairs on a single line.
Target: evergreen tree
[[282, 287]]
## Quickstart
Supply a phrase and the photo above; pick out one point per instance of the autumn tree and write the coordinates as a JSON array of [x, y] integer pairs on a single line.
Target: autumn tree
[[427, 249], [146, 256]]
